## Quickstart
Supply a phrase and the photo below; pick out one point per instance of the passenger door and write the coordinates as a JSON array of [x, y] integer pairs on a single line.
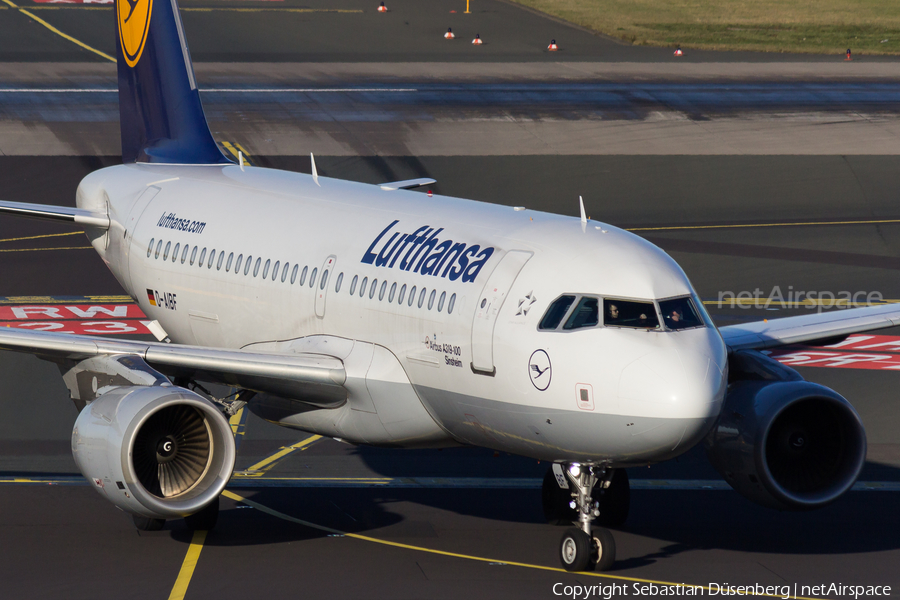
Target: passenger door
[[488, 307]]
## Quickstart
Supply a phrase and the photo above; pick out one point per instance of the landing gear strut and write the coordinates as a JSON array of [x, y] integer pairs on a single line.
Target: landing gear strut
[[584, 548]]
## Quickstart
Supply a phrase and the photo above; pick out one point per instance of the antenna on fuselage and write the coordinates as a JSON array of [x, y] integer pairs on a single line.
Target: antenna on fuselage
[[583, 214], [315, 173]]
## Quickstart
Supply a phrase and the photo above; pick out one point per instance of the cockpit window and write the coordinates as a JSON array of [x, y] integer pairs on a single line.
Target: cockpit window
[[556, 312], [679, 313], [627, 313], [585, 314]]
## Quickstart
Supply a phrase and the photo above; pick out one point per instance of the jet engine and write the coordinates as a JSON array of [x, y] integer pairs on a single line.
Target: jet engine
[[784, 442], [154, 451]]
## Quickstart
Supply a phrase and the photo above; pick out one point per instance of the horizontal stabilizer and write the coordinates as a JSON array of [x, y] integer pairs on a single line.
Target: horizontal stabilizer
[[56, 213], [407, 184]]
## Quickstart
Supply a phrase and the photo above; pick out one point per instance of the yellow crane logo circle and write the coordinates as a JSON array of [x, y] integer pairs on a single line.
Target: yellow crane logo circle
[[134, 23]]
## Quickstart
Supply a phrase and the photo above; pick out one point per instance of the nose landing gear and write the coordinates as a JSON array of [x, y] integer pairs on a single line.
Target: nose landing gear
[[581, 548]]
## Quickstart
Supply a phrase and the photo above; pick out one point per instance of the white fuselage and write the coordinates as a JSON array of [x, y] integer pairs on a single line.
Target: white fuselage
[[462, 362]]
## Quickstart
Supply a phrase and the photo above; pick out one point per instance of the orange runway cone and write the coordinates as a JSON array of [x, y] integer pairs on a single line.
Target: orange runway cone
[[382, 7], [552, 47], [477, 41], [449, 35], [848, 55], [678, 51]]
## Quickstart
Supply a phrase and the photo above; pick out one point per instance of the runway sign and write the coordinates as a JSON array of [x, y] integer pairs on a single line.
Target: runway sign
[[856, 352], [83, 319]]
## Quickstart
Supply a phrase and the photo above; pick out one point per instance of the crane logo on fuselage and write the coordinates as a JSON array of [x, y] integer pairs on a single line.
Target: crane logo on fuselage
[[423, 252], [539, 369]]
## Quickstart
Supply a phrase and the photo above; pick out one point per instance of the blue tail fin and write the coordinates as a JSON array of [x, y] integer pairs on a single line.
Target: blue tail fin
[[160, 113]]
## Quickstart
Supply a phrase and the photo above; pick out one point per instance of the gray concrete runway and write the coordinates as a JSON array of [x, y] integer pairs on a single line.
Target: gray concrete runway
[[817, 143]]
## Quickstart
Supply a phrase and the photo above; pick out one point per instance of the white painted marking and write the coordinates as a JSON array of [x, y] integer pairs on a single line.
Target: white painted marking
[[210, 90]]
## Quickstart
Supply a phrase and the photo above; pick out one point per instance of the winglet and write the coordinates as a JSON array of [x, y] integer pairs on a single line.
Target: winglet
[[315, 173]]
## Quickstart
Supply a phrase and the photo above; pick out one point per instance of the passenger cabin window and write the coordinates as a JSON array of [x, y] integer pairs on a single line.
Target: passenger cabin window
[[554, 315], [586, 314], [193, 255], [158, 249], [353, 284], [294, 274], [627, 313], [230, 260], [303, 275], [175, 252], [451, 305], [680, 313], [237, 265], [312, 278], [184, 253], [150, 248], [337, 284]]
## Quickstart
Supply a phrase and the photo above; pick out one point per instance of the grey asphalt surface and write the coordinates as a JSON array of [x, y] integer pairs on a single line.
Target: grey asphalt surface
[[65, 541], [697, 537]]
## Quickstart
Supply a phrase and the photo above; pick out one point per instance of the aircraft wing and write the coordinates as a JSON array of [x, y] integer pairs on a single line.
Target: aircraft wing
[[316, 378], [46, 212], [809, 328]]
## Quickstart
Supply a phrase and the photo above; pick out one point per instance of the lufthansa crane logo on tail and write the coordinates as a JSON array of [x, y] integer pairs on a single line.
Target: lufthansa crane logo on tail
[[134, 23]]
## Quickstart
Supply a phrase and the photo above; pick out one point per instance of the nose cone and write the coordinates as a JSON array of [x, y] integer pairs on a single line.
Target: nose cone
[[681, 381]]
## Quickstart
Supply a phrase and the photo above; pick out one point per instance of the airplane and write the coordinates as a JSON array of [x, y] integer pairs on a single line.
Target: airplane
[[377, 315]]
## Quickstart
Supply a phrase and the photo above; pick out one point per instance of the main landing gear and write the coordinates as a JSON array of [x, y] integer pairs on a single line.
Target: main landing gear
[[579, 494]]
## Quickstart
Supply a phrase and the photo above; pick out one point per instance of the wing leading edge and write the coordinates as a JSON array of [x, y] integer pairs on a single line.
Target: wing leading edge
[[315, 378], [809, 328]]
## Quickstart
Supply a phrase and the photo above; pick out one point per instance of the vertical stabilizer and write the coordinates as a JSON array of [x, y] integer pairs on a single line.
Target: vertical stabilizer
[[160, 113]]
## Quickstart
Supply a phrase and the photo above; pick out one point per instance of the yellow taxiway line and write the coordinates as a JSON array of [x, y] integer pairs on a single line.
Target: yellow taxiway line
[[188, 566], [58, 32], [45, 249], [749, 225], [365, 538], [37, 237], [268, 463]]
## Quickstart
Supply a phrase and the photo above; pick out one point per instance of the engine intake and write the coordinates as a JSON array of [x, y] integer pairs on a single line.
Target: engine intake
[[160, 452], [784, 442]]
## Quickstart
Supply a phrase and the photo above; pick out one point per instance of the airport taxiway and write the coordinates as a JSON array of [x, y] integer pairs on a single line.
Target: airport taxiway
[[443, 524]]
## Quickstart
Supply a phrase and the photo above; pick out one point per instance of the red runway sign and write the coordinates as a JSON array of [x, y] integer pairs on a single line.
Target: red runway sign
[[880, 352], [84, 319]]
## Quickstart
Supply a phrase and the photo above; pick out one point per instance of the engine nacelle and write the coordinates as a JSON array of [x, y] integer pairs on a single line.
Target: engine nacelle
[[158, 452], [784, 442]]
